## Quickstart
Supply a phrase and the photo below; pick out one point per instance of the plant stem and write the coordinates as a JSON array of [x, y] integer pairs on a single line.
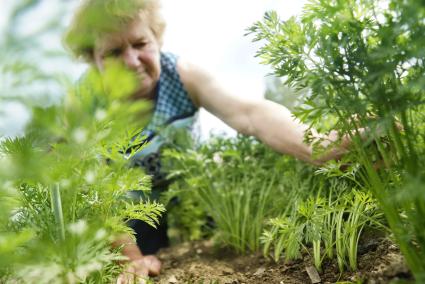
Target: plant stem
[[316, 255], [57, 210]]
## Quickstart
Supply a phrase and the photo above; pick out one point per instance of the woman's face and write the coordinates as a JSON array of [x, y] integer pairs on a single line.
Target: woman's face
[[137, 47]]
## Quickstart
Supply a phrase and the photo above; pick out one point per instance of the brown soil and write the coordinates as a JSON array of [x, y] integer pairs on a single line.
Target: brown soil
[[201, 262]]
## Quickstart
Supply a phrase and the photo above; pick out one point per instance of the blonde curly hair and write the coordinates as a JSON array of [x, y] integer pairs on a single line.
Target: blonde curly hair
[[95, 18]]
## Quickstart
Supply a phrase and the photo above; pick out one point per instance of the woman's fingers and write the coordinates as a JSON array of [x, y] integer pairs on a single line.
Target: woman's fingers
[[136, 272], [153, 264]]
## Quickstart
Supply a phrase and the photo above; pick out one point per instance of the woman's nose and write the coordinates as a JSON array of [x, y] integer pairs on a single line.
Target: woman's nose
[[131, 58]]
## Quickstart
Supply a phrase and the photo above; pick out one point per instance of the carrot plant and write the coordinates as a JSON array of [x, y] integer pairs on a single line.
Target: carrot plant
[[63, 183], [324, 228], [9, 241], [73, 175], [363, 62], [237, 183]]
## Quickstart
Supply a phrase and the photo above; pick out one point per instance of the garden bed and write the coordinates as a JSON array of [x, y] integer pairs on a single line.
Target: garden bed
[[201, 262]]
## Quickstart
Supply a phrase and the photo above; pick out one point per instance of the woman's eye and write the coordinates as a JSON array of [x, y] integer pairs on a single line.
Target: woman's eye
[[140, 44], [113, 52]]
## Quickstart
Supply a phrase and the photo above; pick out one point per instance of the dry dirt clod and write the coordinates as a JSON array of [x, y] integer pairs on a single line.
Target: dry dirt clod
[[227, 271], [260, 271], [393, 247], [193, 268], [313, 274], [172, 280], [182, 251]]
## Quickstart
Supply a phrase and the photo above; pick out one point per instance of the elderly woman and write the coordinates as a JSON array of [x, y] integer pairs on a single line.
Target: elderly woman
[[131, 31]]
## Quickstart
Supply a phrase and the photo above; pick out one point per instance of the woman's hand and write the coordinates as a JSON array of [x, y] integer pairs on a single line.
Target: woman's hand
[[137, 271], [137, 267]]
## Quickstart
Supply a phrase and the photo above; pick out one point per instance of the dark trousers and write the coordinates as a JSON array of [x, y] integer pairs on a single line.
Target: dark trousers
[[149, 239]]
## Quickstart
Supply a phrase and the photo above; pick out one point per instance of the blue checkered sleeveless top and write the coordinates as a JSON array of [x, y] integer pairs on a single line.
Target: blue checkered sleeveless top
[[173, 110], [172, 101]]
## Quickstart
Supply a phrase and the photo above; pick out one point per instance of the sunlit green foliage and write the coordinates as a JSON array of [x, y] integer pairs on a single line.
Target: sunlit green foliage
[[278, 92], [363, 62], [326, 226], [239, 183], [77, 149], [63, 184]]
